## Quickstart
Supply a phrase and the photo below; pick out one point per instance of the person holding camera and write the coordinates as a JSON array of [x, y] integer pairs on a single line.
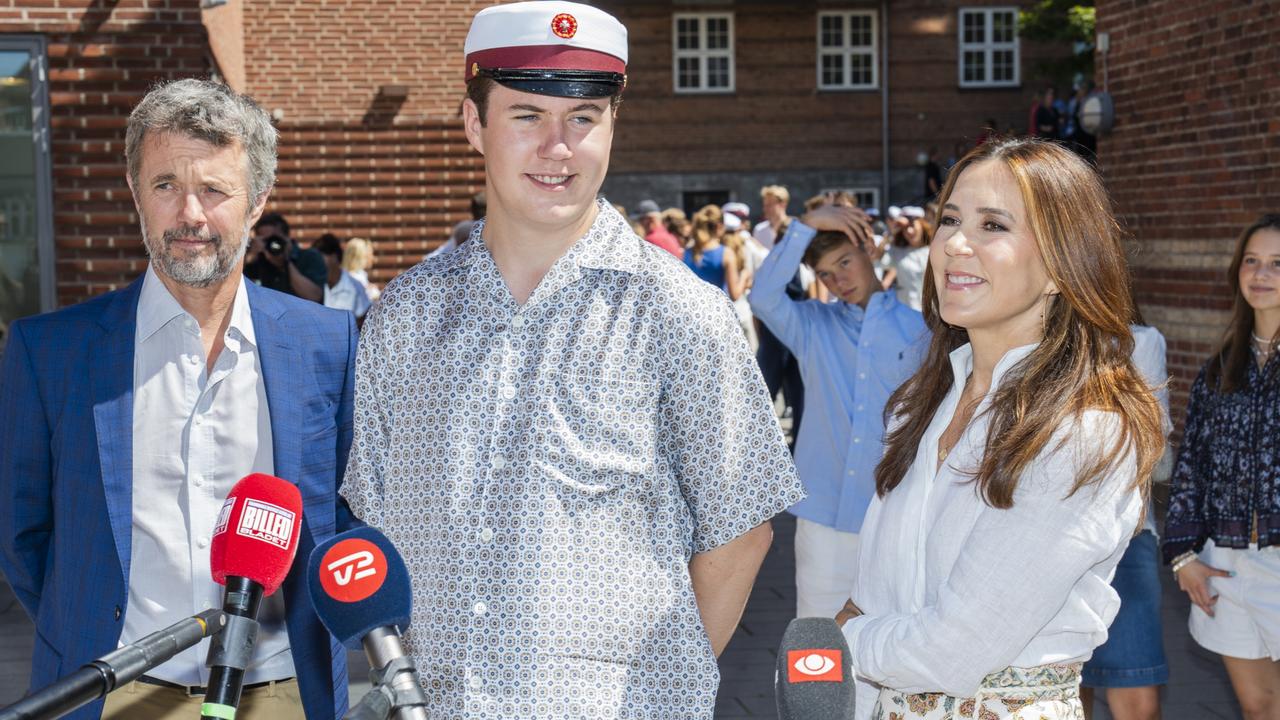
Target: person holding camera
[[275, 261]]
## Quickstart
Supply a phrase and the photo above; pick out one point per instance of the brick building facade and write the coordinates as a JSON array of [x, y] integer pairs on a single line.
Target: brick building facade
[[1194, 156], [365, 100], [781, 123]]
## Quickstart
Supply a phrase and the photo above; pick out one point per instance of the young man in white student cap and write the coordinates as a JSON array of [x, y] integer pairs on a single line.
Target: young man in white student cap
[[560, 426]]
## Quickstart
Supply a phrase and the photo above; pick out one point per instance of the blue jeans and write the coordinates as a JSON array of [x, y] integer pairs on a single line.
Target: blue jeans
[[1133, 655]]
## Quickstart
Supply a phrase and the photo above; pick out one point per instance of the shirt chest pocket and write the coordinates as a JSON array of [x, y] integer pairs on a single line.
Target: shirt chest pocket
[[602, 430]]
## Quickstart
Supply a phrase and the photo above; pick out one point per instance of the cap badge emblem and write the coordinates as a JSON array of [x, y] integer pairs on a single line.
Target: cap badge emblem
[[564, 25]]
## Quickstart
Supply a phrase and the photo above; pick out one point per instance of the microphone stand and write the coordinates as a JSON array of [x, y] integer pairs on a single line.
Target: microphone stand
[[395, 682]]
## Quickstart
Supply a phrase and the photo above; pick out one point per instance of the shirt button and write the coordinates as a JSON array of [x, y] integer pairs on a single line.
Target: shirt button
[[859, 408], [857, 440], [486, 534], [499, 462], [203, 542], [118, 612], [480, 608], [197, 481], [862, 376], [852, 473], [509, 392], [475, 682], [517, 322]]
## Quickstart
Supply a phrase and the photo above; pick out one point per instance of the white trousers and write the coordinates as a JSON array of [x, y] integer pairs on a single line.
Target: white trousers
[[826, 564]]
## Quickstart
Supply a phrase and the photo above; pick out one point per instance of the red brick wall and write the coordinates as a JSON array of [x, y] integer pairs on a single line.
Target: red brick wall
[[397, 172], [102, 58], [1194, 156], [777, 119]]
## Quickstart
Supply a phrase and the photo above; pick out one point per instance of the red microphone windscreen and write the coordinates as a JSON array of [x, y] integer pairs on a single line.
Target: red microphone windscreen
[[256, 535]]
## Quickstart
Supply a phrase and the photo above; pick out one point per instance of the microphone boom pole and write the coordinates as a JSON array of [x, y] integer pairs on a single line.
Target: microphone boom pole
[[114, 669]]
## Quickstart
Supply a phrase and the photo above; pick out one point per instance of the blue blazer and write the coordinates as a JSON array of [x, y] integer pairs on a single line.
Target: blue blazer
[[66, 472]]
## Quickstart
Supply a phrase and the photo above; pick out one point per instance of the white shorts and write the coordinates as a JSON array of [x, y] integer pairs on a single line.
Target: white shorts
[[1246, 621], [826, 564]]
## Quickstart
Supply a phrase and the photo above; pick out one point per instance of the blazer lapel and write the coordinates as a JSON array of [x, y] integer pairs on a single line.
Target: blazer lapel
[[112, 382], [280, 367]]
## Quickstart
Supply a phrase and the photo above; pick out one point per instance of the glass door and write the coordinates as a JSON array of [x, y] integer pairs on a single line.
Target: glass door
[[26, 226]]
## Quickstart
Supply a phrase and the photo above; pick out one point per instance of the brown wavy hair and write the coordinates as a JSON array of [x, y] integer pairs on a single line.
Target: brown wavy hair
[[1082, 363], [1228, 369], [708, 229]]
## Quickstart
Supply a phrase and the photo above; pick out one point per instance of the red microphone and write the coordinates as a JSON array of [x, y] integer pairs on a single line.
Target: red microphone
[[254, 542]]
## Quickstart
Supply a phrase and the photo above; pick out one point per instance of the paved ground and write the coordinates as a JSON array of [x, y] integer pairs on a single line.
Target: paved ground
[[1198, 689]]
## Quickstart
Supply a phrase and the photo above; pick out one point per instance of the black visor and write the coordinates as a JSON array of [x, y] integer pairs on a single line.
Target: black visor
[[558, 83]]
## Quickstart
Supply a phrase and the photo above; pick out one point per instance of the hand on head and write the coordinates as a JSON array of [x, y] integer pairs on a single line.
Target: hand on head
[[850, 221]]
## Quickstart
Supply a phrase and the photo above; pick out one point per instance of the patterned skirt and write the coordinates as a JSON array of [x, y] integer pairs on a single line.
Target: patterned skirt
[[1047, 692]]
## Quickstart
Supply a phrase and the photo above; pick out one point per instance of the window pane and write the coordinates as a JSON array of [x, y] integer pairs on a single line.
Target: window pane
[[860, 69], [975, 66], [832, 31], [687, 33], [717, 33], [860, 30], [975, 27], [833, 70], [1002, 66], [19, 265], [687, 73], [1004, 27], [717, 72]]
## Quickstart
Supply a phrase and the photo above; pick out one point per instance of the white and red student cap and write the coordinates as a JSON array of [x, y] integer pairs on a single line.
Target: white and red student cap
[[548, 47]]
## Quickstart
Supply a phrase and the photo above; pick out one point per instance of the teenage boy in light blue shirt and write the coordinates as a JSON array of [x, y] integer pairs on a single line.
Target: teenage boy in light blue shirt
[[853, 353]]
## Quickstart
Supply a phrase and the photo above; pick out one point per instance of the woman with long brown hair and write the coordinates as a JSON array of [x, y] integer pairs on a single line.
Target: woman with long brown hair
[[1018, 459], [1223, 528]]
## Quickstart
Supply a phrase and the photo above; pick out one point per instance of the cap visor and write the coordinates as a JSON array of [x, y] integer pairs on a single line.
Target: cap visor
[[564, 88]]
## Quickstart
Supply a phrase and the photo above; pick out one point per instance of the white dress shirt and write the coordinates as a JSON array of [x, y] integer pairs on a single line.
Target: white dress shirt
[[954, 589], [195, 434], [1149, 358], [347, 295]]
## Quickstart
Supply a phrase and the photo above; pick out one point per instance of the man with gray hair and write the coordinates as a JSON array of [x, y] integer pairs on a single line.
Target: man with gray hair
[[126, 420]]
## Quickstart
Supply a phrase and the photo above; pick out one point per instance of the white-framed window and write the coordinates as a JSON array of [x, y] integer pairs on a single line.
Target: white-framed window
[[989, 54], [847, 44], [702, 52]]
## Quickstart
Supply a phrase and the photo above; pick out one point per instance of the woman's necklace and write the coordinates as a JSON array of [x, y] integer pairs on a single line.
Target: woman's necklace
[[1267, 347]]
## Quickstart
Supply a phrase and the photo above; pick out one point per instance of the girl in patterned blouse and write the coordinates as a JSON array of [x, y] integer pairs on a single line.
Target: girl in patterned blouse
[[1222, 534]]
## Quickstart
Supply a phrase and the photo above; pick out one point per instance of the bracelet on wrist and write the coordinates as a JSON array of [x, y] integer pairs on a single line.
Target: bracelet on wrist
[[1183, 560]]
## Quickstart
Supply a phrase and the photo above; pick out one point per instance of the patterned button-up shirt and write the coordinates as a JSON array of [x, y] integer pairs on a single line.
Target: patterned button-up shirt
[[549, 469], [1228, 468]]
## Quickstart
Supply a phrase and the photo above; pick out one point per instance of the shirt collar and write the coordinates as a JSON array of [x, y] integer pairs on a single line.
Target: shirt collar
[[157, 307], [962, 363], [609, 244]]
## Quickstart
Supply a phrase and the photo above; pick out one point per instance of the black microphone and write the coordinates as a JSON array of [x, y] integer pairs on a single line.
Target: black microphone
[[254, 543], [114, 669], [814, 679], [360, 588]]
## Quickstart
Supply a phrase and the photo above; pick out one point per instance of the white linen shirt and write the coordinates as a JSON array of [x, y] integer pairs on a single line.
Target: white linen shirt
[[954, 589], [194, 436]]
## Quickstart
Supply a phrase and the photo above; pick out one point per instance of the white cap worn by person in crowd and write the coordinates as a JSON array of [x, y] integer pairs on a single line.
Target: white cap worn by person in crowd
[[895, 212], [913, 211], [732, 222], [563, 49], [741, 209]]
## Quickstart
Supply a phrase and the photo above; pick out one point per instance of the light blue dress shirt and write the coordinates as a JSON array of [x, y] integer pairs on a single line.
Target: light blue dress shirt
[[851, 360]]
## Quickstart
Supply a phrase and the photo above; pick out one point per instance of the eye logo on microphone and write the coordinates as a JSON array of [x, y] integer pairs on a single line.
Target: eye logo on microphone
[[353, 570], [816, 665]]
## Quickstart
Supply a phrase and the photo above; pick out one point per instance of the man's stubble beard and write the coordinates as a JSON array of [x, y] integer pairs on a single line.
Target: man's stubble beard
[[199, 271]]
